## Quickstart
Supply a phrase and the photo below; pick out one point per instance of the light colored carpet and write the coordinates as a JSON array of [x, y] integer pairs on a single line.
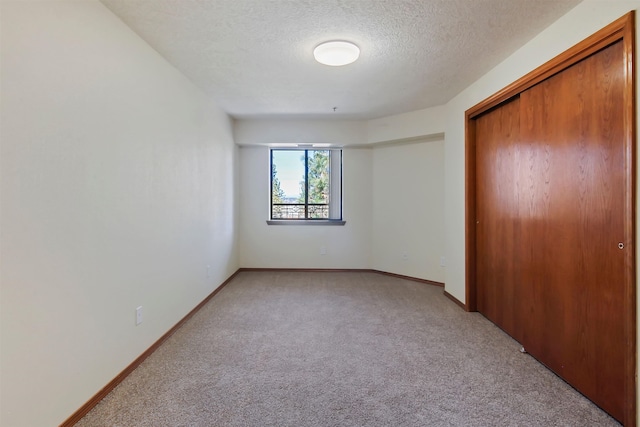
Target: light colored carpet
[[340, 349]]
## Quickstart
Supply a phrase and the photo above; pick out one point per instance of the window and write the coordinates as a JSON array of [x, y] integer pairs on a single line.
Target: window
[[306, 186]]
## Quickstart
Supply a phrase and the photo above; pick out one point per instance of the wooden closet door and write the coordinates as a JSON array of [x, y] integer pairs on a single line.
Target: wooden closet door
[[572, 137], [498, 225], [550, 195]]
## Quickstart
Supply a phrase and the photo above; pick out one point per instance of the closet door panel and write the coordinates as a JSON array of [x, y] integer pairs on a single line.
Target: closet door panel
[[571, 132], [498, 222]]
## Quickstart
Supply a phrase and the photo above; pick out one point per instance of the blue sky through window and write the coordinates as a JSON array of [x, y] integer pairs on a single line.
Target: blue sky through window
[[290, 171]]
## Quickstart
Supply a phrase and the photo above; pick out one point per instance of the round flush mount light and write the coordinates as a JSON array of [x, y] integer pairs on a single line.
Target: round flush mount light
[[336, 53]]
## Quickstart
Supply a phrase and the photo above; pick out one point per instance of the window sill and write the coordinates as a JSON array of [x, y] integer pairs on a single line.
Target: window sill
[[306, 222]]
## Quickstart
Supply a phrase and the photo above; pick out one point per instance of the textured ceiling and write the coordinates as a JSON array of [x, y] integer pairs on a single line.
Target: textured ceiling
[[254, 57]]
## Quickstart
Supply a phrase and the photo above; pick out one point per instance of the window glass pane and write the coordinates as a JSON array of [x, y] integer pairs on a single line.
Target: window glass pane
[[318, 184], [287, 184]]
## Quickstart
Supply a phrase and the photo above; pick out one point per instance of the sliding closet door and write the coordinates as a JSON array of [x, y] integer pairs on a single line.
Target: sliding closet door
[[550, 223], [498, 227], [572, 144]]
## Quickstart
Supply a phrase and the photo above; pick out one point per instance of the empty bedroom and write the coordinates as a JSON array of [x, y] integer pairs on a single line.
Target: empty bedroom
[[318, 213]]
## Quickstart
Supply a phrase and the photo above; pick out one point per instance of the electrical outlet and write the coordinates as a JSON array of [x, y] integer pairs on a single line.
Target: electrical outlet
[[138, 315], [405, 255], [323, 250], [208, 271], [443, 261]]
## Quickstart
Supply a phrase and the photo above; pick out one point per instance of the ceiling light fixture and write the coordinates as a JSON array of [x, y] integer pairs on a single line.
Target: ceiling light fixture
[[336, 53]]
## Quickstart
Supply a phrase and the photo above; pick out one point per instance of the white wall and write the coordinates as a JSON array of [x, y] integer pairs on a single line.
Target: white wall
[[117, 183], [408, 209], [414, 124], [298, 246], [291, 131]]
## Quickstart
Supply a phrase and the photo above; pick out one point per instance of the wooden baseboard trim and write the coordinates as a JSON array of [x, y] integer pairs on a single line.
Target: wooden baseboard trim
[[455, 300], [413, 279], [91, 403], [302, 270], [348, 270]]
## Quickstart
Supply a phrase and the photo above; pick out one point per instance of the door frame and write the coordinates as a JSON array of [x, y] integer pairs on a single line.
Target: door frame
[[623, 30]]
